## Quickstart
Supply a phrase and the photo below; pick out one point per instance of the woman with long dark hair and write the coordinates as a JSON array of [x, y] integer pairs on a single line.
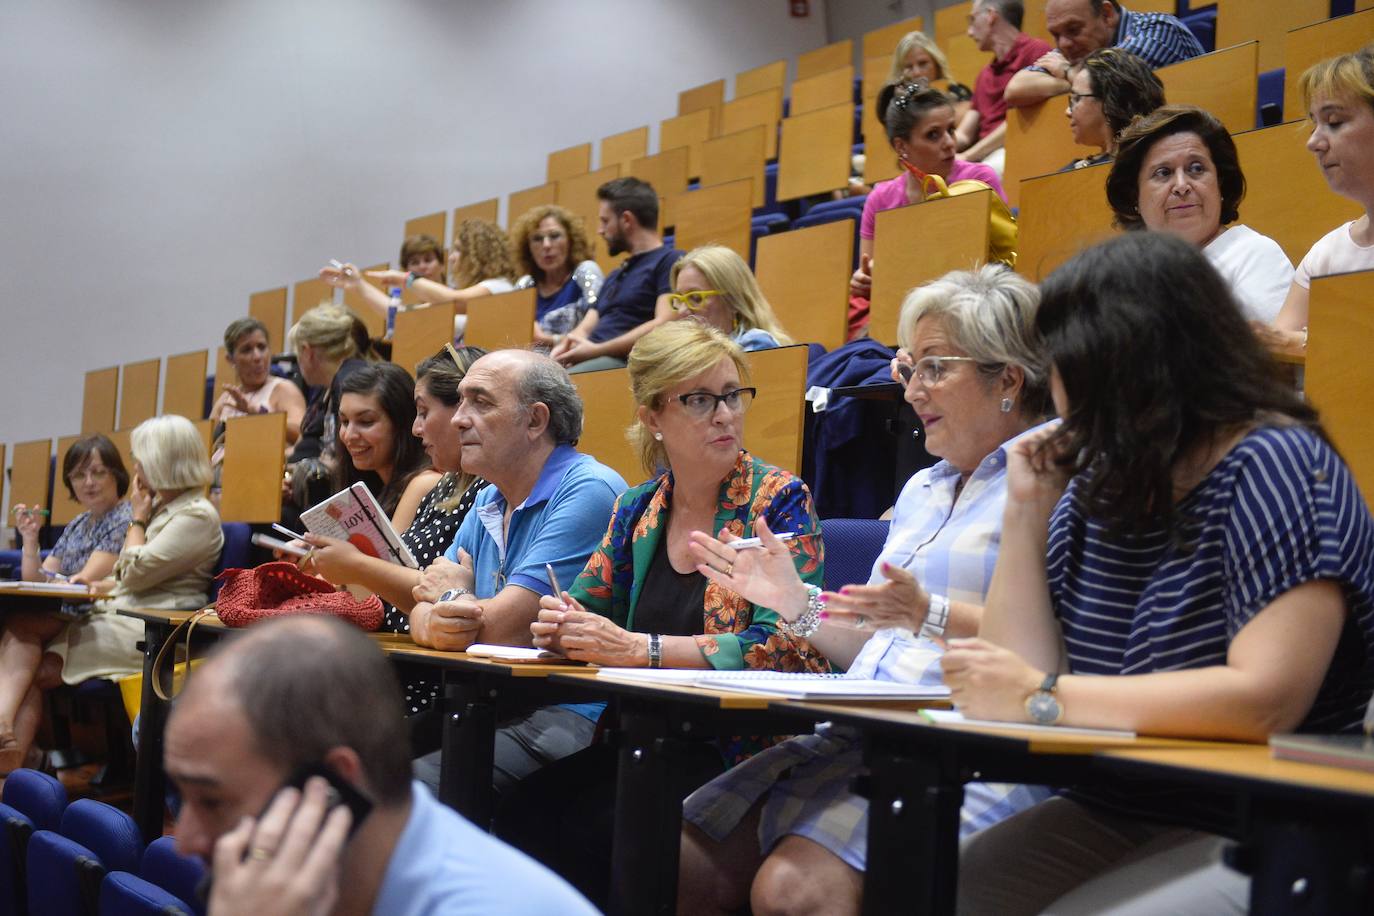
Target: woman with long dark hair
[[1186, 555], [376, 413]]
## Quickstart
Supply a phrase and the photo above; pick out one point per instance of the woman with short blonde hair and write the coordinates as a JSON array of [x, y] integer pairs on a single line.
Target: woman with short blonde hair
[[642, 600], [330, 342], [715, 286]]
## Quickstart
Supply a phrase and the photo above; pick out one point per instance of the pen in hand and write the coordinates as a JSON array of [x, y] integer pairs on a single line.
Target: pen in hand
[[757, 543]]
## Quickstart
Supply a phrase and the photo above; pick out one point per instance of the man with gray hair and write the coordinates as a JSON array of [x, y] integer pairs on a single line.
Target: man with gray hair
[[518, 422], [262, 713]]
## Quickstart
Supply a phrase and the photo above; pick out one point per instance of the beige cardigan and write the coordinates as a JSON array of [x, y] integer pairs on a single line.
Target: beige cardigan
[[172, 569]]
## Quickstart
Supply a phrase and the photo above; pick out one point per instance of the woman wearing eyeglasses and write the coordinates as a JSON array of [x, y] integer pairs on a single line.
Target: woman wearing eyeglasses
[[642, 602], [1107, 90], [784, 828], [550, 245], [713, 285]]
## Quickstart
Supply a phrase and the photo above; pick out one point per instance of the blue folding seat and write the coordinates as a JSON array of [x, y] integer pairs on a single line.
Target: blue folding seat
[[852, 546], [64, 870], [173, 872], [123, 894], [31, 801]]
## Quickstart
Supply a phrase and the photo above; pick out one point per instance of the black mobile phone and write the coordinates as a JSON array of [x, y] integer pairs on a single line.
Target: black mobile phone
[[341, 792]]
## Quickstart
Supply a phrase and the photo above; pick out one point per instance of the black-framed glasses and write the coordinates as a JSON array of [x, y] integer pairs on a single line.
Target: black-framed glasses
[[701, 404], [1076, 97]]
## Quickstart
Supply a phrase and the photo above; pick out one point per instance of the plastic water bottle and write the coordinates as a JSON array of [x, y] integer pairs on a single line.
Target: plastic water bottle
[[391, 310]]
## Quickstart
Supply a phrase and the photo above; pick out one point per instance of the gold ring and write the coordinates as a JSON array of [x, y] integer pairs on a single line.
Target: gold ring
[[259, 854], [730, 568]]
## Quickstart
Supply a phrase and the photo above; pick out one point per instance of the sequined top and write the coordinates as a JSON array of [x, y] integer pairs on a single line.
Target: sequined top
[[560, 312]]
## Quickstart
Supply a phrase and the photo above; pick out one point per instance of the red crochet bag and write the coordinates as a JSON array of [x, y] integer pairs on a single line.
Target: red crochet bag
[[279, 588]]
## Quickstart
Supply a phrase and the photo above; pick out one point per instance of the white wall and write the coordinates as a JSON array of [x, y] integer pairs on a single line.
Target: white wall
[[161, 159]]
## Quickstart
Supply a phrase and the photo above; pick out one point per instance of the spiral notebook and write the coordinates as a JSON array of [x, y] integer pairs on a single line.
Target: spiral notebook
[[784, 684]]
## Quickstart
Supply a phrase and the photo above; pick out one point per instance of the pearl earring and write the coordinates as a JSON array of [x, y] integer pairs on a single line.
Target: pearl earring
[[1006, 405], [658, 436]]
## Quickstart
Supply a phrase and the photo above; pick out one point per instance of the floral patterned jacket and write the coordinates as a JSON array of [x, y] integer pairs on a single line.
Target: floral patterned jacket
[[738, 634]]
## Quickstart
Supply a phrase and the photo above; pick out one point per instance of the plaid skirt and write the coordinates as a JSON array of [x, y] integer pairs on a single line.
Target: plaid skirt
[[804, 783]]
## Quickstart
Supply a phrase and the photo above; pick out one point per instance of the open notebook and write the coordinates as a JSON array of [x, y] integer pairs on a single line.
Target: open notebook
[[786, 684]]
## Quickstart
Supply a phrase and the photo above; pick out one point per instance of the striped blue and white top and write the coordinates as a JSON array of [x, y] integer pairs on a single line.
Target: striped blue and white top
[[1280, 509], [1157, 38]]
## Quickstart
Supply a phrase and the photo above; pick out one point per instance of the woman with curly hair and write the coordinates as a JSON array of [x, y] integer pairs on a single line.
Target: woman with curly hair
[[479, 264], [551, 246]]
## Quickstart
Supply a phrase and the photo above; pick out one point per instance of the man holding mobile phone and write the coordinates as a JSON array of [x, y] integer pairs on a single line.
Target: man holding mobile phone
[[262, 714]]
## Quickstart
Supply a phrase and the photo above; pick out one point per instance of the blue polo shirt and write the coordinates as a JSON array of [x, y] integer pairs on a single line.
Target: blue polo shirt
[[629, 294], [443, 864], [561, 522]]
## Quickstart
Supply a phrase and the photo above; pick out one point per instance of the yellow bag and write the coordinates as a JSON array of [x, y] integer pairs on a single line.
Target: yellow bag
[[1001, 224]]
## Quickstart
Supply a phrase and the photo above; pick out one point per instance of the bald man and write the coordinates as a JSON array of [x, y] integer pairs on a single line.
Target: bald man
[[1080, 27]]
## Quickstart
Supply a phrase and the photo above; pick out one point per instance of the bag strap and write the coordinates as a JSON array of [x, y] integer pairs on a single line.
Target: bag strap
[[940, 189], [189, 626]]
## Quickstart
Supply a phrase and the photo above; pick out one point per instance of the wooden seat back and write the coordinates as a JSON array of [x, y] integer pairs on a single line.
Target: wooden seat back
[[918, 243], [254, 462], [1061, 214], [804, 274], [1339, 372], [505, 320], [813, 154]]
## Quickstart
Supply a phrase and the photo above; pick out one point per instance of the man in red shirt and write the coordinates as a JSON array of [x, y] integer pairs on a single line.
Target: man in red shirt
[[995, 25]]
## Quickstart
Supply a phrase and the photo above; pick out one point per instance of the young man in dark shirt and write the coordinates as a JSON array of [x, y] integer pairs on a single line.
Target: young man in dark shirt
[[634, 297]]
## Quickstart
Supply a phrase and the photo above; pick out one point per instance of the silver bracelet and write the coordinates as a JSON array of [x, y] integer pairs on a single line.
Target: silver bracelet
[[655, 650], [937, 617], [809, 622]]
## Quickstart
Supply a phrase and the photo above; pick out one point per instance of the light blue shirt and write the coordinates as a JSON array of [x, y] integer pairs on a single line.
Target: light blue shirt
[[561, 522], [754, 339], [442, 864], [950, 545]]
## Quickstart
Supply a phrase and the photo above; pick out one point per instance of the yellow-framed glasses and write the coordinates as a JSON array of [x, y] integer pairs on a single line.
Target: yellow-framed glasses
[[694, 301]]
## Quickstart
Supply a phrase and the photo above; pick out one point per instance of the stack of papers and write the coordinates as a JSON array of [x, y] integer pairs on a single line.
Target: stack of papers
[[792, 685], [954, 717]]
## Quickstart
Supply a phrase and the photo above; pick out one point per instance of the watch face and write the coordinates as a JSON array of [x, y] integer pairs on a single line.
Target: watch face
[[1043, 707]]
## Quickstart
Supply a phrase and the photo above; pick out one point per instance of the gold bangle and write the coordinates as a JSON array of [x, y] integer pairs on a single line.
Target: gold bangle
[[139, 522]]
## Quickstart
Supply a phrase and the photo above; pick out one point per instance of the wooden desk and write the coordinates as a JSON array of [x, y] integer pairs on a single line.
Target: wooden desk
[[759, 108], [1309, 833], [689, 130], [623, 148], [8, 594], [656, 724], [915, 789]]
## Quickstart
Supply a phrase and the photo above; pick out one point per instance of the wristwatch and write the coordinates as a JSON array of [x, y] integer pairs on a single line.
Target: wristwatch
[[1042, 705], [451, 594], [937, 617]]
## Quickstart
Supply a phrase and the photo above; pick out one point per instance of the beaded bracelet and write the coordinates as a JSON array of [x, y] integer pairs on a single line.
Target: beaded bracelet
[[809, 622]]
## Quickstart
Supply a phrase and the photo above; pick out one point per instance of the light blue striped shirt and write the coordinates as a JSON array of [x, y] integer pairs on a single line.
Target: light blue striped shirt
[[949, 541], [950, 545]]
